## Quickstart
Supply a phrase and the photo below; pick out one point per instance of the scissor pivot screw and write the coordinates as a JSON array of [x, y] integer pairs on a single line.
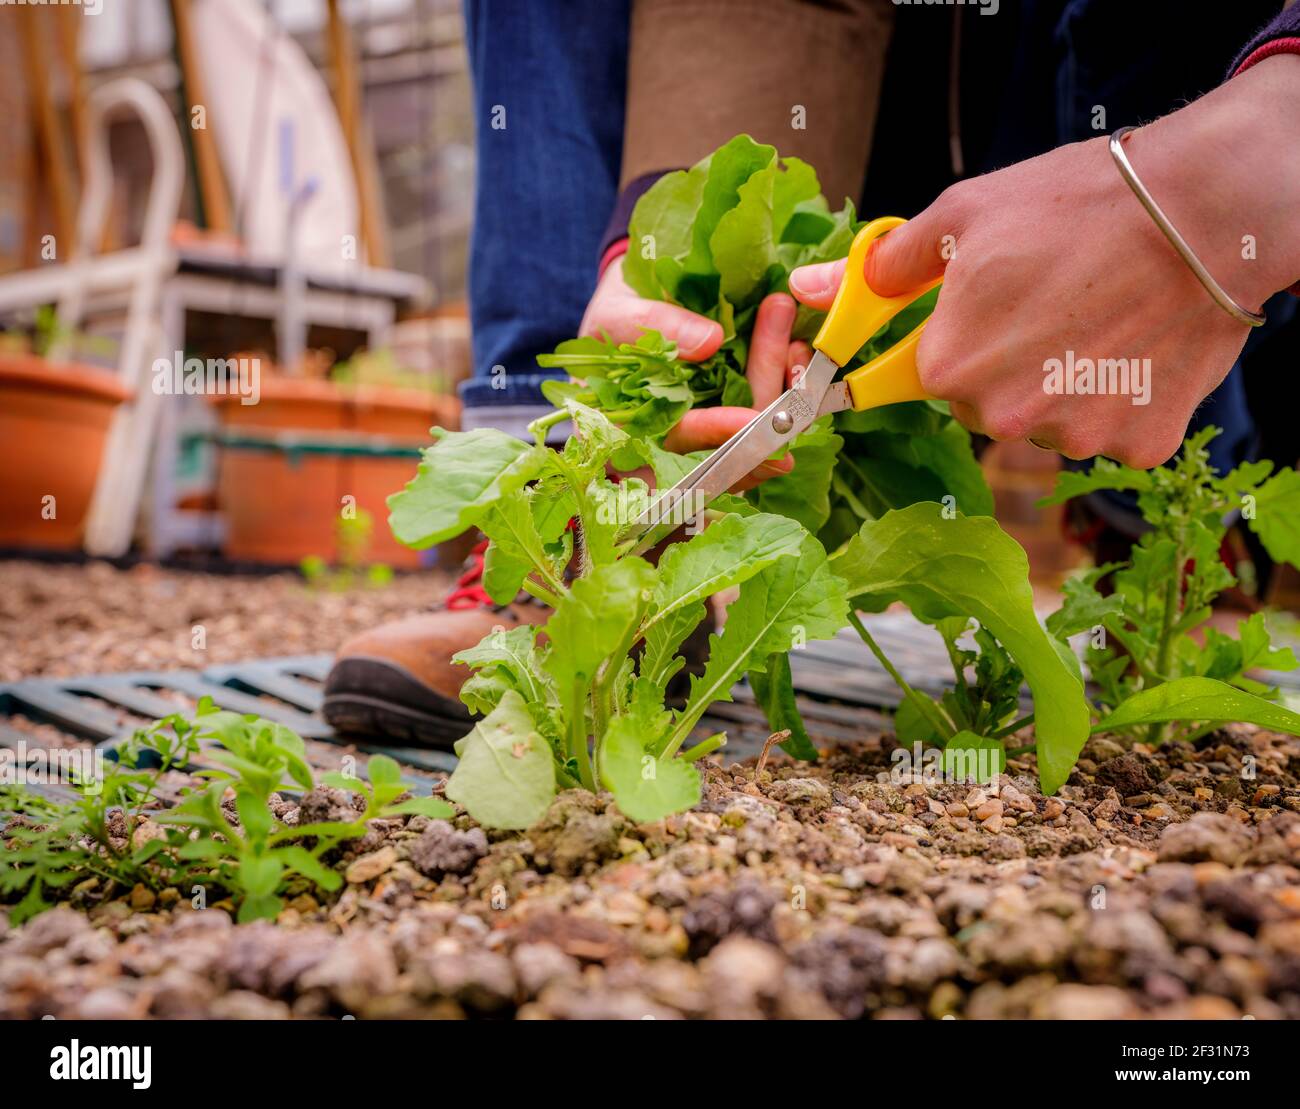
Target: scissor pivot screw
[[782, 422]]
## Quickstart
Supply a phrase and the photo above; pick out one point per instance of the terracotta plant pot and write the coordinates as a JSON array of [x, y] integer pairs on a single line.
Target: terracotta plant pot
[[289, 461], [53, 423]]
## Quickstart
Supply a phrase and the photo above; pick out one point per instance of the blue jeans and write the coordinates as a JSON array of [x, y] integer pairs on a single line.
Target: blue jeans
[[550, 82]]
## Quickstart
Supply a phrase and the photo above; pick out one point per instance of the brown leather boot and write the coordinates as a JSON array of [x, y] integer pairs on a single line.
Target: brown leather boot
[[397, 683]]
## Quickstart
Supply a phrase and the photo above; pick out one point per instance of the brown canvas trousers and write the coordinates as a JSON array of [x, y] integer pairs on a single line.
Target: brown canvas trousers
[[802, 75]]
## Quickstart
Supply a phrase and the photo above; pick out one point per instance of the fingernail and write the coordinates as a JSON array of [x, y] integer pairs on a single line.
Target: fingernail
[[797, 282], [695, 334], [783, 309]]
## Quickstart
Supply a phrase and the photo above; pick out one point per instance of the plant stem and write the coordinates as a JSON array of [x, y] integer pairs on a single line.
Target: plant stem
[[1196, 733], [926, 706], [1013, 727], [704, 747], [599, 722], [1134, 653], [1170, 616], [540, 426], [578, 737], [1156, 733]]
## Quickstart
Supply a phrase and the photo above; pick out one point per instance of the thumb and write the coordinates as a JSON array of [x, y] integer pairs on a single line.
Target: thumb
[[912, 254], [816, 285], [906, 258]]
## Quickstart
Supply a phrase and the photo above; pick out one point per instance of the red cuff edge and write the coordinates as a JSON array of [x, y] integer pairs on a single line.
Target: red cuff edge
[[1289, 45], [614, 251]]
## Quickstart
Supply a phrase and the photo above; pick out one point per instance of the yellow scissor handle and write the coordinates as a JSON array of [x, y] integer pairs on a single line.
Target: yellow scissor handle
[[857, 314]]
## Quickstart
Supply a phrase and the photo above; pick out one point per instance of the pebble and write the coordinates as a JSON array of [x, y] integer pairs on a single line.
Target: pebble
[[1106, 809], [1205, 836], [371, 866], [537, 965], [142, 898], [1017, 801]]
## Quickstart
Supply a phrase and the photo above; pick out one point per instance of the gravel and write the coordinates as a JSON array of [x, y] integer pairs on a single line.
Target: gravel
[[806, 891]]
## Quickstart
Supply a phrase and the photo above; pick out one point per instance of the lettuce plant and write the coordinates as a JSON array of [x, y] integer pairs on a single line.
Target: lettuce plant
[[1151, 655], [254, 856], [50, 844], [572, 704]]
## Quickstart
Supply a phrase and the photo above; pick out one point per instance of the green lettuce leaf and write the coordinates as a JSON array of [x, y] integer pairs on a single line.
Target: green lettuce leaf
[[645, 788], [804, 494], [506, 774], [1277, 516], [773, 688], [1104, 474], [792, 601], [511, 654], [1202, 701], [458, 481], [968, 566]]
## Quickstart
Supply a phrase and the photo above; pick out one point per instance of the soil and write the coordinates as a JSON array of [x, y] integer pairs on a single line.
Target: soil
[[1156, 884], [65, 620]]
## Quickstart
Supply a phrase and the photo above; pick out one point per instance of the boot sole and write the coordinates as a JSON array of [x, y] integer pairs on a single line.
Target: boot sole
[[376, 700]]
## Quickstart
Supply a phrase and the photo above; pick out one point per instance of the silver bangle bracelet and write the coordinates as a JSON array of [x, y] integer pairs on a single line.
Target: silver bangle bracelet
[[1221, 298]]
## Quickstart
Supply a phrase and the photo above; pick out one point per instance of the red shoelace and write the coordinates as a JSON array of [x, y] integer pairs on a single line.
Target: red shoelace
[[469, 591]]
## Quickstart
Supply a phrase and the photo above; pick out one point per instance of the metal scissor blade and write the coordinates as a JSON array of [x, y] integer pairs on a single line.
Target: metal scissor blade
[[777, 425], [837, 399]]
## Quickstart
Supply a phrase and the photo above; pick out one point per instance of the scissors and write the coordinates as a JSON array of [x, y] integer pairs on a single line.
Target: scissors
[[857, 313]]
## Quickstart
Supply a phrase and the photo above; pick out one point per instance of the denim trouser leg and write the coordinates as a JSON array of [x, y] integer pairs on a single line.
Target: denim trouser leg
[[549, 81]]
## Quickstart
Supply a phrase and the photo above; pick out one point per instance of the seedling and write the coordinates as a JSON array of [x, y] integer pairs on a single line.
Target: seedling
[[1152, 657], [247, 854], [354, 535]]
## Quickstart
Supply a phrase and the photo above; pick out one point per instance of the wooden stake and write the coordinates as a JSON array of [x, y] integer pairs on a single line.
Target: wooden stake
[[68, 31], [29, 256], [54, 154], [347, 96], [213, 195], [68, 28]]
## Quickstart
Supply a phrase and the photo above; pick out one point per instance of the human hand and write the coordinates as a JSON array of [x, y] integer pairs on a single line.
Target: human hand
[[1054, 260], [617, 311]]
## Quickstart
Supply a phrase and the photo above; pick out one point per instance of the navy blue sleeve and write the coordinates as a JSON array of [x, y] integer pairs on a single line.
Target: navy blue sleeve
[[1285, 25]]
